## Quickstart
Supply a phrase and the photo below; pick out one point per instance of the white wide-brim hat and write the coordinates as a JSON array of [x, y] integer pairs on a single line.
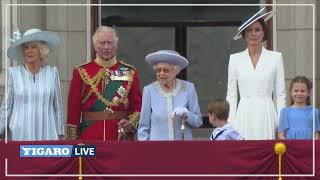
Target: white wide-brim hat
[[167, 56], [247, 21], [52, 39]]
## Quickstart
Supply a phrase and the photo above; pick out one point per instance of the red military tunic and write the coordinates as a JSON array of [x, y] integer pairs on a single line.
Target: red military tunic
[[98, 87]]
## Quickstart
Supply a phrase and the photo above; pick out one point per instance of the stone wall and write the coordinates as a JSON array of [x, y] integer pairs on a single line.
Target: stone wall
[[294, 39]]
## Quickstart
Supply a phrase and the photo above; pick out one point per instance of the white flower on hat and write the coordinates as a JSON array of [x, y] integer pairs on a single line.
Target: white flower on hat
[[15, 36]]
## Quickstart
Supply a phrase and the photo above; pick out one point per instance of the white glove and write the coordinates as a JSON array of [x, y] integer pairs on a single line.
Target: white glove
[[178, 111]]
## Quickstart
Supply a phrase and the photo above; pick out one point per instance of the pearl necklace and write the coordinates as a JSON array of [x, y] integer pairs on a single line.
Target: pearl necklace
[[173, 87]]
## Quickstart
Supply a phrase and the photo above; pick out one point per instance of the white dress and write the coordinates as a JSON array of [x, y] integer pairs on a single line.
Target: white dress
[[33, 106], [255, 117]]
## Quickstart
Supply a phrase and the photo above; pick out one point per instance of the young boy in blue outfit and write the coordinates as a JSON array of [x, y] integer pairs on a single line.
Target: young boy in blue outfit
[[218, 112]]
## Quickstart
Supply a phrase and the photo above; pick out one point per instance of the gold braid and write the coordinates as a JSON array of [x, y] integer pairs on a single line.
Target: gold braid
[[102, 74], [115, 101], [134, 119]]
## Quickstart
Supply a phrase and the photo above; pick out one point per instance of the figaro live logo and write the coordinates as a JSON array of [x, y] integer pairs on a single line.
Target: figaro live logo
[[57, 150]]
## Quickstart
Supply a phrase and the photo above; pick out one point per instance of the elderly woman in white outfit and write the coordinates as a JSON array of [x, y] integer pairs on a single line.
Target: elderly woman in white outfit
[[32, 105], [257, 74], [166, 100]]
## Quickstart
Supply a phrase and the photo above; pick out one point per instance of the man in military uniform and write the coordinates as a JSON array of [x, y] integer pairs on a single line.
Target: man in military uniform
[[104, 93]]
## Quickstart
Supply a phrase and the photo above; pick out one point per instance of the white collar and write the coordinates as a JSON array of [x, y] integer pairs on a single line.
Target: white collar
[[226, 126]]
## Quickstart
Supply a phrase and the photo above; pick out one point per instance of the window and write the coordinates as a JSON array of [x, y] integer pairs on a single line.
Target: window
[[203, 34]]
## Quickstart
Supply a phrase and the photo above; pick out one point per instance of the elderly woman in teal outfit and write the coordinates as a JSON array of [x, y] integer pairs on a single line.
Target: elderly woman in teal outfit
[[32, 105], [166, 100]]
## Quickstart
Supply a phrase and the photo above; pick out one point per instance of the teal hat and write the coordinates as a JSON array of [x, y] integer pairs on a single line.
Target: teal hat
[[52, 39]]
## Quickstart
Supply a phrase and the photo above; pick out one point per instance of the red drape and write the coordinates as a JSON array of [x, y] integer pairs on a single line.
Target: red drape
[[180, 157]]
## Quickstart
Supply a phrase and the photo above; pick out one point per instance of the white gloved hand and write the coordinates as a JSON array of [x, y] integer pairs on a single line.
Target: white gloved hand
[[178, 111]]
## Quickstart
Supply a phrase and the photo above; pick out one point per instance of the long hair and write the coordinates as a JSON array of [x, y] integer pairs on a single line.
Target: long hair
[[44, 50], [304, 80]]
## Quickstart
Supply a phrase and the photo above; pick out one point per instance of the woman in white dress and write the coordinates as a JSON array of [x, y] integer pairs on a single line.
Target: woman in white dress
[[32, 105], [166, 100], [257, 75]]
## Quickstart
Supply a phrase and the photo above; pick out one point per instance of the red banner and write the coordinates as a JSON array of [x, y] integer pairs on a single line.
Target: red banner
[[180, 158]]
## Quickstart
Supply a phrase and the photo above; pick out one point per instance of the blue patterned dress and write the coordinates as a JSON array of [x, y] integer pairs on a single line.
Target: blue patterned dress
[[33, 105]]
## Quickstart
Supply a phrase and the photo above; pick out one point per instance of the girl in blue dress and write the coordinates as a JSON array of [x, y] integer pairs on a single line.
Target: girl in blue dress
[[296, 121]]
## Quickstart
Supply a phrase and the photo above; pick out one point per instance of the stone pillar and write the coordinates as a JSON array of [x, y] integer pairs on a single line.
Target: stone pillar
[[70, 22], [2, 78], [294, 39], [317, 58], [31, 16]]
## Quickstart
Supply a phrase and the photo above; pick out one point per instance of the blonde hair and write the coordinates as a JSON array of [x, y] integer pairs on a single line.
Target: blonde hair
[[104, 28], [44, 50], [219, 108]]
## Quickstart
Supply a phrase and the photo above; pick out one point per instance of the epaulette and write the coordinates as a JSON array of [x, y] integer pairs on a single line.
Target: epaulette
[[83, 64], [127, 65]]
